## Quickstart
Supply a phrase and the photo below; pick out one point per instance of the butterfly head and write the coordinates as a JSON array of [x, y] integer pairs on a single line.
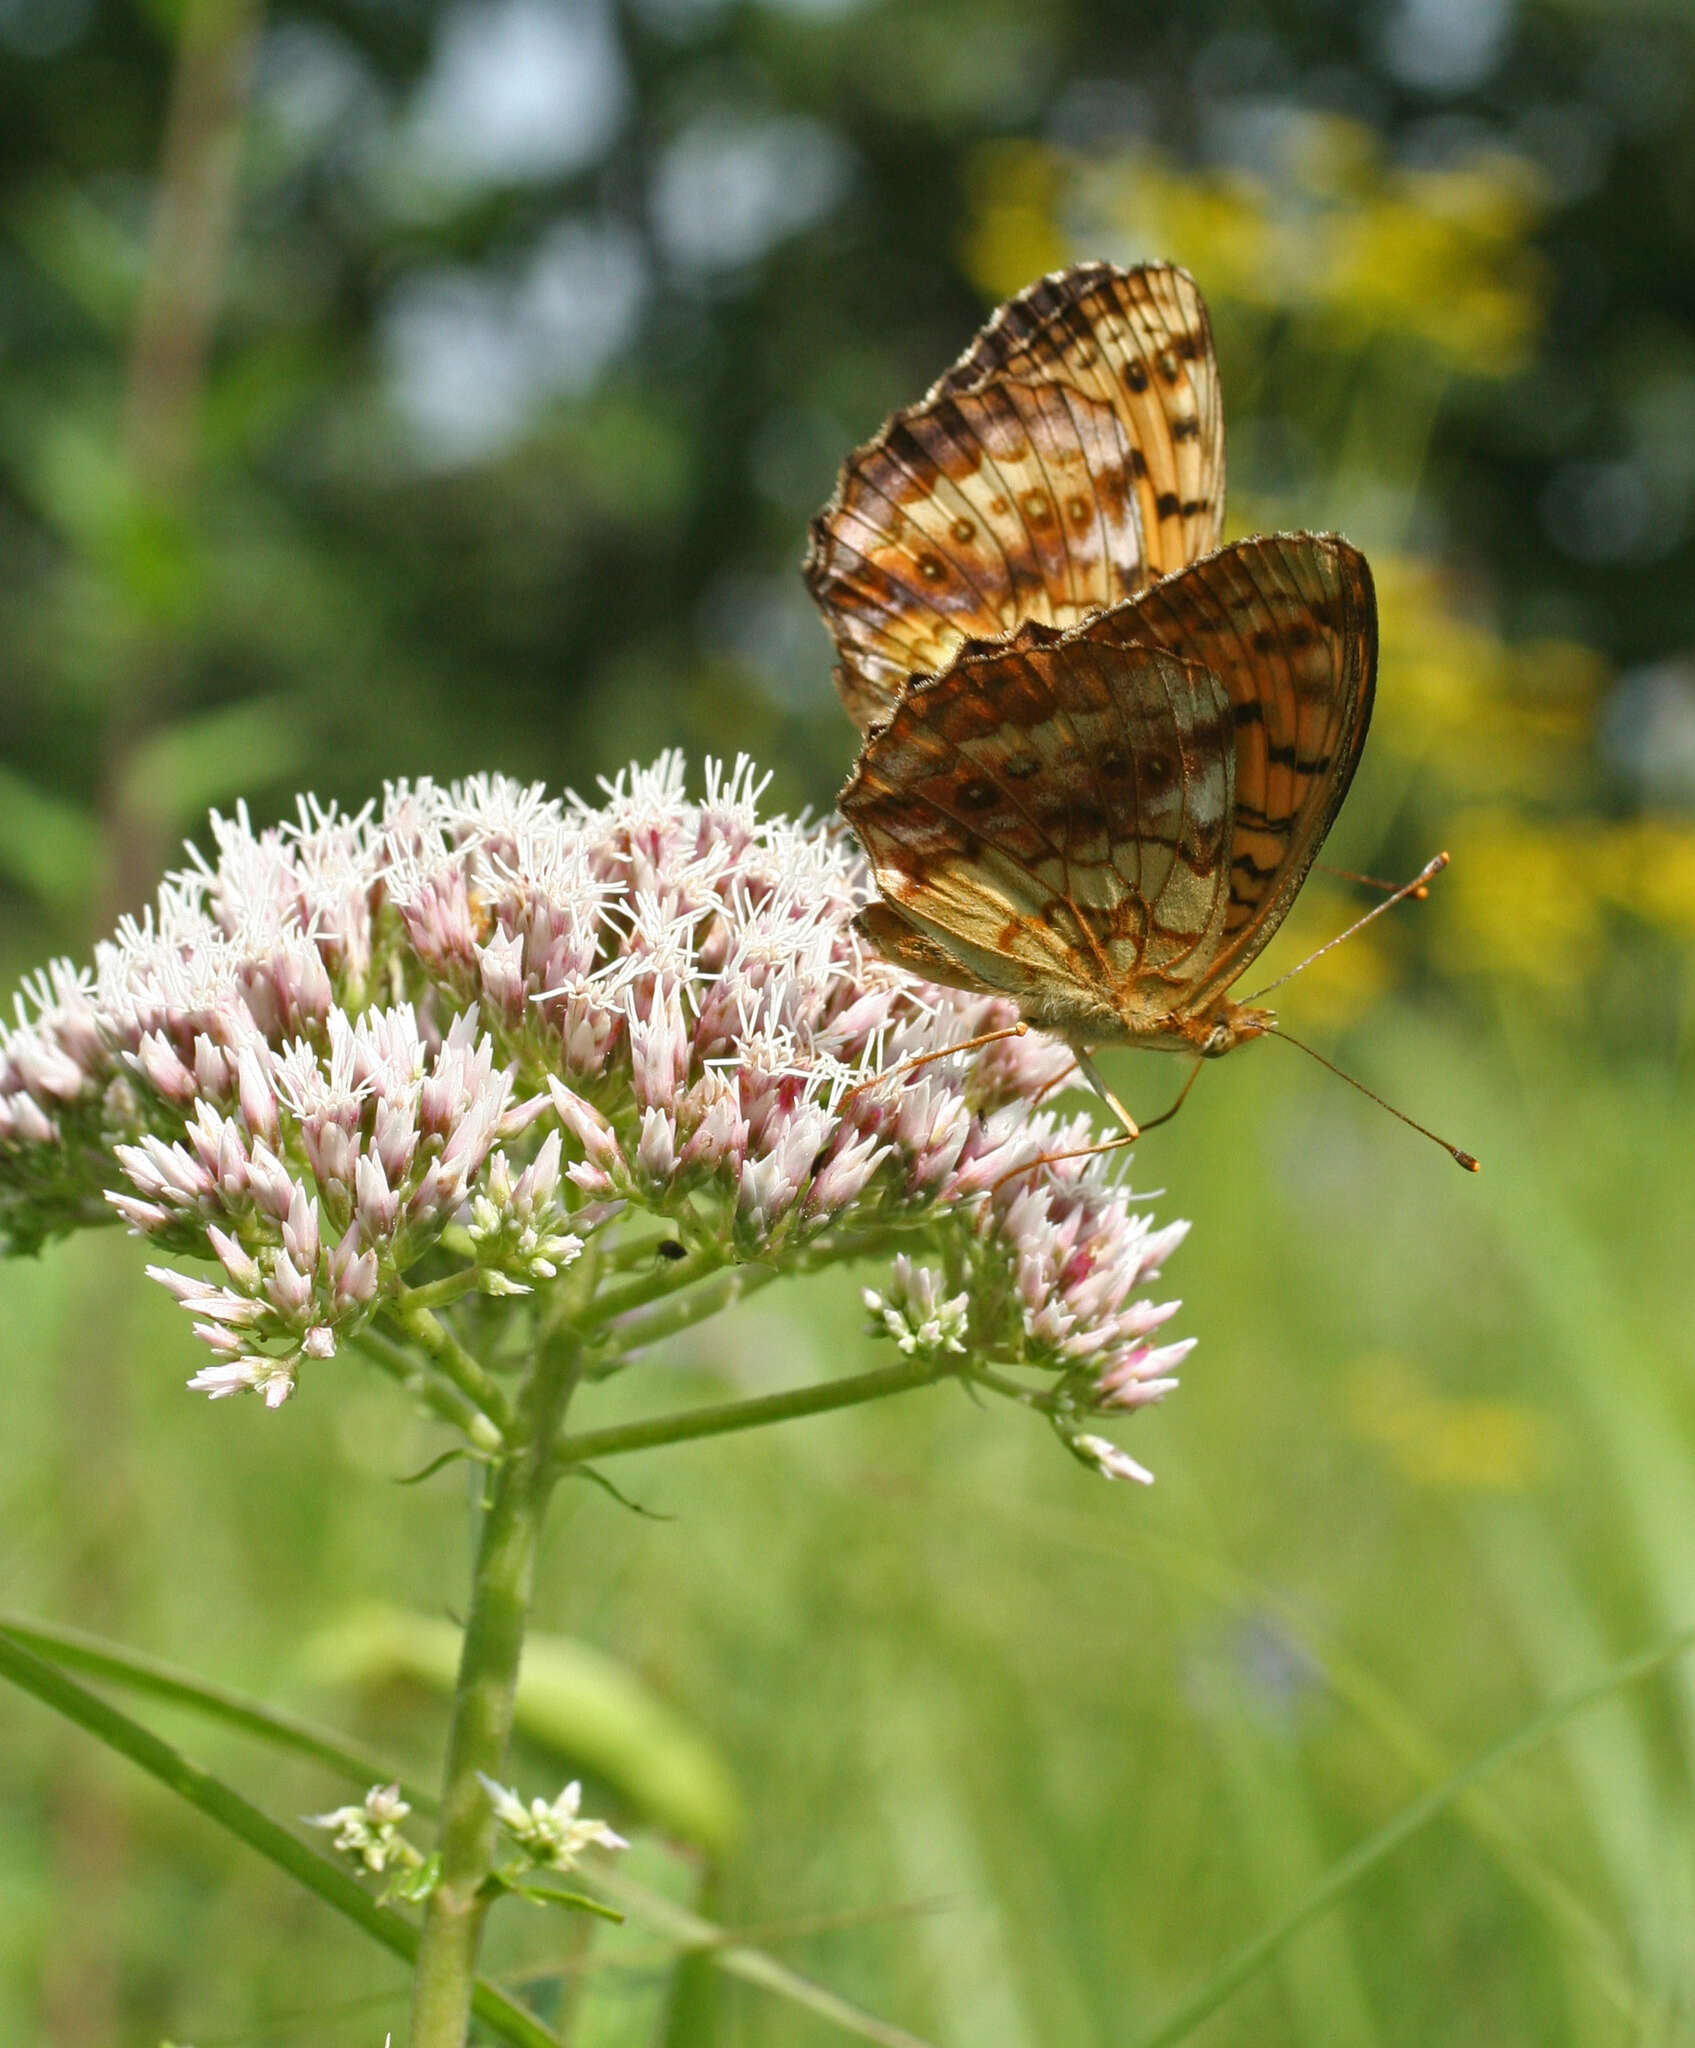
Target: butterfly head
[[1222, 1029]]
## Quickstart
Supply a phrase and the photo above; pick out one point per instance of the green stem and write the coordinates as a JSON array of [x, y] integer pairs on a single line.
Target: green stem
[[484, 1696], [667, 1277], [444, 1292], [725, 1416], [428, 1331]]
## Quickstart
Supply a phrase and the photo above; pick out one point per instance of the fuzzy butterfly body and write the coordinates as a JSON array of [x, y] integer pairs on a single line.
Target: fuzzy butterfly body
[[1102, 751]]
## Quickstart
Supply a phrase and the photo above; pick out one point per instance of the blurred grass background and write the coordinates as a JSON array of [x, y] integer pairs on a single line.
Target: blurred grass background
[[391, 387]]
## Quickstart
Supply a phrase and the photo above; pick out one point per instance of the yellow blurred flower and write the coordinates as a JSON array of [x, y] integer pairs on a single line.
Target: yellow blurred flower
[[1357, 246], [1436, 1440]]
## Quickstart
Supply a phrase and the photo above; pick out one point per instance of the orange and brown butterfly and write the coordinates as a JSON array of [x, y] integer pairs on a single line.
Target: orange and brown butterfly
[[1101, 805]]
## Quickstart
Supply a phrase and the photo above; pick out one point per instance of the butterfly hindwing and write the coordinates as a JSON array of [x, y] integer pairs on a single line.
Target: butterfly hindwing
[[1288, 624], [1072, 455], [1054, 816]]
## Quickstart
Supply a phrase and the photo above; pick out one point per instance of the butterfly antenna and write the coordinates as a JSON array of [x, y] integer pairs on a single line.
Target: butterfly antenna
[[1416, 888], [1418, 891], [1453, 1151]]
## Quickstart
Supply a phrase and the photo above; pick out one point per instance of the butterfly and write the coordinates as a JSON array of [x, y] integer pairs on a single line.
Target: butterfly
[[1102, 793]]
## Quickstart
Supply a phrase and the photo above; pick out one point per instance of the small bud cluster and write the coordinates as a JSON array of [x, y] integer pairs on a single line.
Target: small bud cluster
[[471, 1033]]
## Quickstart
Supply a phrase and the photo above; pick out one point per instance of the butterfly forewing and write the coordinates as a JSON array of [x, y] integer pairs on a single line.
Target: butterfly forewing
[[1053, 817], [1140, 342], [1072, 455], [1288, 623]]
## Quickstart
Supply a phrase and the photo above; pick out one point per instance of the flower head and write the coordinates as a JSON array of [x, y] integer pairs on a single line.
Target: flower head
[[467, 1038]]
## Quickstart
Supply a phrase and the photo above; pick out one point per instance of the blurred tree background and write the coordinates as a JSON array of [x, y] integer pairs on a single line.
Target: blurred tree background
[[389, 388]]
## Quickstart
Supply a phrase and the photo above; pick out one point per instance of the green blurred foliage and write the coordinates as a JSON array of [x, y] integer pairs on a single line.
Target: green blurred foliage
[[397, 389]]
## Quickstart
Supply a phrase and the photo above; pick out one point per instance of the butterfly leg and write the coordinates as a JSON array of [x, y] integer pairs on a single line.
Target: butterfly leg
[[1092, 1074], [942, 1052], [1153, 1123], [1128, 1136]]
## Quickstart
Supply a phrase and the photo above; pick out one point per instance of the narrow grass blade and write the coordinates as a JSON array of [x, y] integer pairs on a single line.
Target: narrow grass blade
[[1251, 1958], [73, 1650], [695, 1935]]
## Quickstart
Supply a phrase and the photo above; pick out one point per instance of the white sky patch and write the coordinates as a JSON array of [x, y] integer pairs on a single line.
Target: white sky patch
[[728, 189], [519, 92], [471, 357]]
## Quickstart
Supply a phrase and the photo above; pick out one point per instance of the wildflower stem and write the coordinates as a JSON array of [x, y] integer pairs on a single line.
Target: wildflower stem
[[725, 1416], [428, 1331], [443, 1293], [402, 1365], [484, 1694], [666, 1278]]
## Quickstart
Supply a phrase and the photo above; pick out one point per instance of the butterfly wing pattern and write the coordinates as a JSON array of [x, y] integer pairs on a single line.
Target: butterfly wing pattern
[[1071, 456], [1107, 824], [1288, 624], [1051, 818]]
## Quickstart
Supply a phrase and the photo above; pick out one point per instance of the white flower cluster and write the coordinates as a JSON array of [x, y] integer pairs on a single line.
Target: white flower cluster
[[369, 1833], [550, 1834], [466, 1036]]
